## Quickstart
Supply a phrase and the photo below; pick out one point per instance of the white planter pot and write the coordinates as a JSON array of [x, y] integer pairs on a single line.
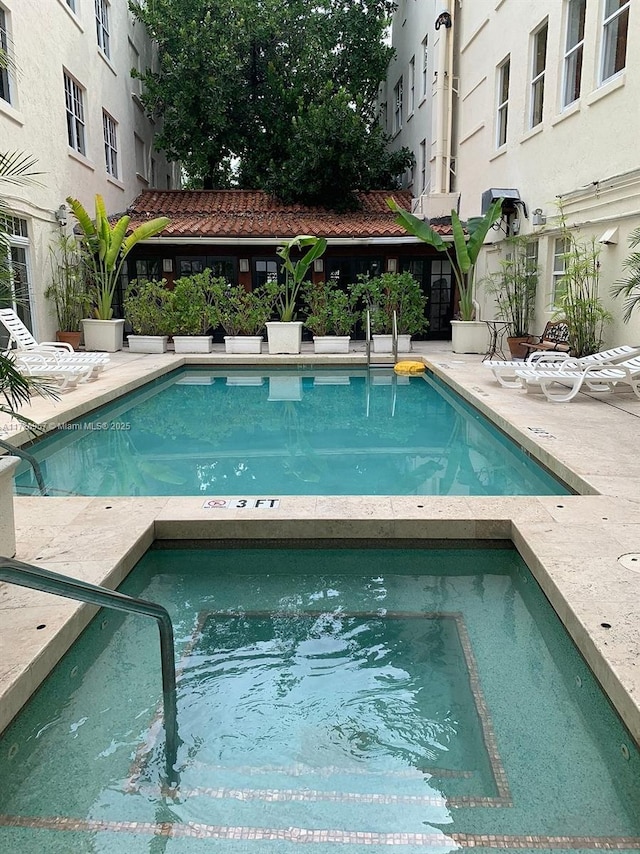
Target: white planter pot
[[384, 343], [243, 344], [103, 335], [7, 526], [284, 337], [331, 343], [193, 343], [469, 336], [147, 343]]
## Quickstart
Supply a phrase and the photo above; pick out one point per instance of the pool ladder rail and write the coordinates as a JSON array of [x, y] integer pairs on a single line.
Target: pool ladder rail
[[37, 578]]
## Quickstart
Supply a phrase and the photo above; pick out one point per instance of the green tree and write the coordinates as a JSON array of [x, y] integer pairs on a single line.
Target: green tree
[[243, 90]]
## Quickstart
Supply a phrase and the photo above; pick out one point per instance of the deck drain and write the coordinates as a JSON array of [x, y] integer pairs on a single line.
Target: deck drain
[[630, 561]]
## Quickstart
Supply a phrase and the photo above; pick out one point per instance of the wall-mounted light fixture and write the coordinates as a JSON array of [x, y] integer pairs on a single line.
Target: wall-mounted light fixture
[[318, 265], [167, 265], [609, 237], [538, 218], [243, 264], [443, 20], [61, 216], [392, 265]]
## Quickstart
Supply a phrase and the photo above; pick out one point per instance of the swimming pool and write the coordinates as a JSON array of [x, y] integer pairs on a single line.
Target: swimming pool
[[423, 698], [287, 432]]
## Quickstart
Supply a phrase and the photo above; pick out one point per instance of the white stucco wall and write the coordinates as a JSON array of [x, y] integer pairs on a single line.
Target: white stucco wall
[[45, 38]]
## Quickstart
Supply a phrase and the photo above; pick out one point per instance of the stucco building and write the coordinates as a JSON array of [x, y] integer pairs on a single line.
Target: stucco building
[[539, 101], [68, 99]]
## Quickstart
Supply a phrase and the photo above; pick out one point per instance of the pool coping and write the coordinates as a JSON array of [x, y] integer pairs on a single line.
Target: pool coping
[[572, 544]]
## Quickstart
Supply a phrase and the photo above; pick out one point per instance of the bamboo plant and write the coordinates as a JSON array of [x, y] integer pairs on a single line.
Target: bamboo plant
[[514, 287]]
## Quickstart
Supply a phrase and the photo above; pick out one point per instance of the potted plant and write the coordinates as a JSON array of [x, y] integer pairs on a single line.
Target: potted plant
[[68, 288], [193, 313], [462, 255], [388, 293], [106, 248], [146, 308], [577, 297], [285, 335], [243, 314], [331, 316], [514, 288]]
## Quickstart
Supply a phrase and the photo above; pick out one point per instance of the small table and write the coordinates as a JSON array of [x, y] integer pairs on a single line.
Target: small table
[[497, 330]]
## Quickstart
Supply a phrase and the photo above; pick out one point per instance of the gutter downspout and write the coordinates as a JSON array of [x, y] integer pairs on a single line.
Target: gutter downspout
[[443, 98]]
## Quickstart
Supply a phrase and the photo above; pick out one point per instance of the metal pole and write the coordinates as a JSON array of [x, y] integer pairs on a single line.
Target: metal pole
[[18, 452], [37, 578]]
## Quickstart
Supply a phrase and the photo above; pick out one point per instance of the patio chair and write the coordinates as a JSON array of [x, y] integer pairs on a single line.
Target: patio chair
[[555, 336], [21, 339], [562, 385], [61, 377], [505, 371]]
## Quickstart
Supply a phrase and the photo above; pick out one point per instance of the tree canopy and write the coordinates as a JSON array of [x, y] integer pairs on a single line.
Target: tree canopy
[[273, 95]]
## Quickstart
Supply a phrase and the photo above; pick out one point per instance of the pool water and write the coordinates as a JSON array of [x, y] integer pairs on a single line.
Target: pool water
[[287, 432], [421, 698]]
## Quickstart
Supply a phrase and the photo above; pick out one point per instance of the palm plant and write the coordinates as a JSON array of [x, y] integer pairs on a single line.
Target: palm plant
[[629, 287], [467, 242], [107, 247], [295, 271]]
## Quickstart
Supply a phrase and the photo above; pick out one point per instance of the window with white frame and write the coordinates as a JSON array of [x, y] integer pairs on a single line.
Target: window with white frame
[[398, 95], [17, 248], [109, 129], [134, 58], [72, 5], [5, 83], [141, 156], [102, 27], [614, 37], [538, 74], [425, 65], [503, 102], [574, 46], [423, 165], [412, 86], [560, 249], [74, 101]]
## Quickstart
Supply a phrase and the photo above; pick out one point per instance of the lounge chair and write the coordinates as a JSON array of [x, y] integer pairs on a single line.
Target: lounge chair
[[505, 371], [560, 385], [59, 377], [21, 339]]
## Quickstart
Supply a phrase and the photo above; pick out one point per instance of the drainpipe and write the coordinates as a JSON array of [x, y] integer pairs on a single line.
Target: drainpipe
[[443, 97]]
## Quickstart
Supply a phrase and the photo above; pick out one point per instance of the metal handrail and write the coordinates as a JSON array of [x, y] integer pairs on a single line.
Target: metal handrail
[[35, 465], [37, 578]]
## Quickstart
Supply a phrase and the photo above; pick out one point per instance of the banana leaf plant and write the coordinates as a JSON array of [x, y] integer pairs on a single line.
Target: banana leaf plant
[[107, 248], [466, 246], [296, 271]]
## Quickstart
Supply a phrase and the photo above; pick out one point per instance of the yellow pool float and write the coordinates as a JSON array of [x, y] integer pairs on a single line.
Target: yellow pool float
[[409, 367]]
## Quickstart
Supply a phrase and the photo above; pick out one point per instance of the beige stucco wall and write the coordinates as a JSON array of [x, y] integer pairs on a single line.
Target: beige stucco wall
[[45, 38], [587, 154]]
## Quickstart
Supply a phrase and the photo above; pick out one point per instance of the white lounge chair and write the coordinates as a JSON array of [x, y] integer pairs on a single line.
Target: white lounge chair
[[505, 371], [21, 340], [59, 377], [560, 385]]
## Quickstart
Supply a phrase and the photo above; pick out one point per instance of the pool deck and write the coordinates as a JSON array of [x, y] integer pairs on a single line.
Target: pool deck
[[583, 549]]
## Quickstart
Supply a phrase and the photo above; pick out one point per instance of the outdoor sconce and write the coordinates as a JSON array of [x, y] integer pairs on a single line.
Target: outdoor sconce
[[443, 20], [61, 216], [538, 218], [244, 265], [318, 265], [392, 265]]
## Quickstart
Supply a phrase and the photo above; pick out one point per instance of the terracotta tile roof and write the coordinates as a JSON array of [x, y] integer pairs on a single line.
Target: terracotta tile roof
[[253, 213]]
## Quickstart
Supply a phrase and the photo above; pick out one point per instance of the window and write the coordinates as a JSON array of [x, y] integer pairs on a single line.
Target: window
[[17, 258], [573, 51], [397, 106], [110, 144], [503, 102], [154, 176], [102, 26], [425, 64], [537, 76], [74, 100], [412, 86], [614, 37], [134, 59], [561, 247], [72, 5], [5, 89], [423, 165], [141, 157], [169, 182]]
